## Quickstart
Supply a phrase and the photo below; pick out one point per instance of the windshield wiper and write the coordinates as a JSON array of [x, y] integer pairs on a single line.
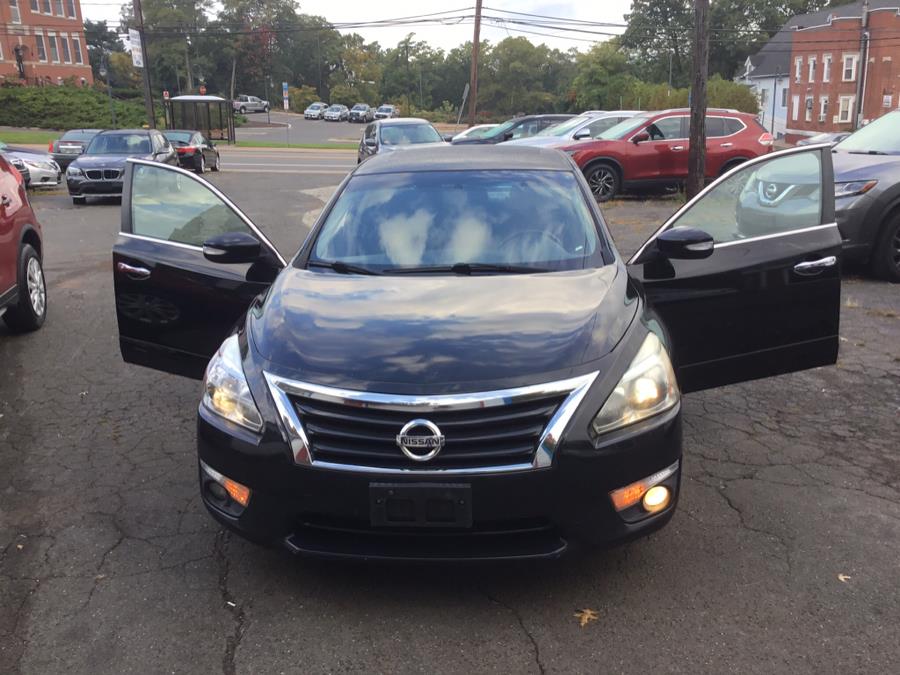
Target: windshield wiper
[[341, 267], [467, 268], [866, 152]]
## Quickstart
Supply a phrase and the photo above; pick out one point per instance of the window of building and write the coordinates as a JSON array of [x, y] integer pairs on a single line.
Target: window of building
[[798, 68], [826, 68], [811, 63], [1, 51], [41, 49], [763, 96], [851, 61], [14, 14], [823, 108], [45, 7], [34, 6], [845, 108], [76, 49], [70, 9], [808, 106], [795, 107], [784, 93], [54, 48], [58, 8], [64, 42]]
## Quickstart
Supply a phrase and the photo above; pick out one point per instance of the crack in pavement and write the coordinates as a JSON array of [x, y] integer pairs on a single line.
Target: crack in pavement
[[233, 641], [512, 610]]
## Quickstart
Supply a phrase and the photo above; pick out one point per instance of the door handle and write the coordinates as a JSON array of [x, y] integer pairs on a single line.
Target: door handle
[[5, 201], [131, 270], [813, 267], [726, 145], [677, 148]]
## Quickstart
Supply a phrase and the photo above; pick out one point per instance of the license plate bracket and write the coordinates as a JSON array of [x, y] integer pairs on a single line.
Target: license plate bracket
[[420, 504]]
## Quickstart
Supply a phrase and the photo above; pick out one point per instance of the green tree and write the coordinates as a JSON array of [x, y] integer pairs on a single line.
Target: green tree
[[100, 39]]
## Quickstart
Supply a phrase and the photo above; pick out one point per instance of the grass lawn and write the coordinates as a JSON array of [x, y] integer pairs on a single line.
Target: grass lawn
[[307, 146], [29, 137]]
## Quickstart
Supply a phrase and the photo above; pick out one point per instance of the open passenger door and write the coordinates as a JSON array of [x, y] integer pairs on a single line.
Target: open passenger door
[[186, 266], [746, 276]]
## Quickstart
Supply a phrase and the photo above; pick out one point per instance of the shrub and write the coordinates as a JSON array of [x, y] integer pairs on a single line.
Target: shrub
[[65, 108]]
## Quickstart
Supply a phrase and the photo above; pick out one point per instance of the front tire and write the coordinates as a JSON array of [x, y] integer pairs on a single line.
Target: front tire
[[243, 110], [217, 164], [30, 310], [886, 255], [603, 180]]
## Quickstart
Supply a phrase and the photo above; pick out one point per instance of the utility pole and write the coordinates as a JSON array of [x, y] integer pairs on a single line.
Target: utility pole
[[148, 96], [774, 96], [697, 149], [862, 68], [473, 76]]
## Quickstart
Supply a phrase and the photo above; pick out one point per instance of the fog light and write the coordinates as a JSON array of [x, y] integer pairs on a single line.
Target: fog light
[[237, 491], [656, 498]]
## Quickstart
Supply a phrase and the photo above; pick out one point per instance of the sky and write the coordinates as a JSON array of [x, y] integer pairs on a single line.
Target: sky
[[444, 37]]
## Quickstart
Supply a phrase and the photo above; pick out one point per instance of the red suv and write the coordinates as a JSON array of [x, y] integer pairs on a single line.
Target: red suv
[[651, 149], [23, 293]]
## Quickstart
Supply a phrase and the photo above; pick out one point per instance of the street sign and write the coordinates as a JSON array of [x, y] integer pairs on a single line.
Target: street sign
[[134, 41], [286, 100]]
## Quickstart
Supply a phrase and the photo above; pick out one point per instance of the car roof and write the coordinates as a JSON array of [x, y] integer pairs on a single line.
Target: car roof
[[96, 131], [729, 112], [403, 120], [466, 158], [180, 131], [127, 131]]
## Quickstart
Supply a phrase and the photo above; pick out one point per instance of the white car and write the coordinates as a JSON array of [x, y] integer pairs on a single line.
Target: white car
[[585, 127], [477, 131], [42, 169], [337, 113], [315, 111]]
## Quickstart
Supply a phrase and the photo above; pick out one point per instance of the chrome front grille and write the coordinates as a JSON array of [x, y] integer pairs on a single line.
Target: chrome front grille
[[506, 430], [103, 174]]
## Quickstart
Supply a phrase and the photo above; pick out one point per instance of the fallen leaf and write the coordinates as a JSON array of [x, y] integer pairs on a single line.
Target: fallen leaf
[[585, 616], [844, 577], [230, 604], [20, 546]]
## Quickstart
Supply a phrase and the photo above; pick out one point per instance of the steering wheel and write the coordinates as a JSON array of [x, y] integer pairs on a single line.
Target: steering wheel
[[540, 233]]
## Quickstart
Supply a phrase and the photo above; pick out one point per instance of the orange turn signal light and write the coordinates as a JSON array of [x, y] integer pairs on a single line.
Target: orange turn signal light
[[655, 497], [239, 493]]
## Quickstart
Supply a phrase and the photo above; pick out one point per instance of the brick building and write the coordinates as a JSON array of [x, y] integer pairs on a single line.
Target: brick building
[[838, 67], [42, 42]]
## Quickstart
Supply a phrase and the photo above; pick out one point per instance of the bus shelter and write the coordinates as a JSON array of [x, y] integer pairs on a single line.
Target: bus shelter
[[211, 115]]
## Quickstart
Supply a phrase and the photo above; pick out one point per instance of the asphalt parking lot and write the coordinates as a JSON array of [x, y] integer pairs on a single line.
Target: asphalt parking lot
[[782, 557], [292, 128]]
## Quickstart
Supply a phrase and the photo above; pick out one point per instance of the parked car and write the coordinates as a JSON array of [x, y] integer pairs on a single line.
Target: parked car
[[315, 111], [337, 113], [386, 111], [42, 170], [19, 166], [402, 133], [98, 172], [361, 112], [195, 151], [23, 291], [518, 127], [67, 147], [586, 127], [457, 364], [867, 193], [477, 131], [247, 104], [833, 137], [651, 149]]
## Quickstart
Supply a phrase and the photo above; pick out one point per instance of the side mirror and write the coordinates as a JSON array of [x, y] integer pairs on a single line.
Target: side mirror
[[507, 136], [369, 142], [447, 137], [685, 243], [641, 137], [232, 247], [581, 135]]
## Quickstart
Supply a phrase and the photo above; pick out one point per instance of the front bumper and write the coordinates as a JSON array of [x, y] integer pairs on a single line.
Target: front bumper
[[44, 177], [529, 514], [81, 187], [857, 219]]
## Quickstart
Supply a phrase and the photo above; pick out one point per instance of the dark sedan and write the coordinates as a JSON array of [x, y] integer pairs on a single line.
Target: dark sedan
[[195, 151], [518, 127], [98, 172], [67, 147], [867, 195], [457, 364]]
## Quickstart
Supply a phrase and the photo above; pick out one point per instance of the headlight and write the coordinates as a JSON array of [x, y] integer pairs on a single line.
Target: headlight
[[856, 187], [74, 171], [225, 390], [647, 388]]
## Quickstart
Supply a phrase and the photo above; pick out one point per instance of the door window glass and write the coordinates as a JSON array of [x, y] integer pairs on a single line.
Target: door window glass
[[665, 129], [370, 131], [168, 205], [715, 127], [598, 127], [732, 126], [771, 197]]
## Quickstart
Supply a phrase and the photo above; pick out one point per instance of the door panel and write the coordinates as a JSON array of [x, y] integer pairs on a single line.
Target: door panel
[[767, 300], [10, 206], [175, 307]]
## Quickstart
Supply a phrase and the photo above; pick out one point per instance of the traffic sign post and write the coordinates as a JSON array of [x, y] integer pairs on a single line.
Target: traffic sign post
[[284, 96]]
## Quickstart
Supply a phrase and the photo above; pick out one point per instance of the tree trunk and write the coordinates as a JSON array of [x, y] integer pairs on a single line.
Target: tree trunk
[[697, 149]]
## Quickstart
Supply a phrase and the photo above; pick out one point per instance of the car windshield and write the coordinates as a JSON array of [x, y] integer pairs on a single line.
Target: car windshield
[[502, 129], [385, 108], [438, 219], [477, 133], [564, 128], [880, 137], [179, 137], [314, 106], [334, 108], [409, 134], [119, 144], [617, 131], [360, 106], [78, 135]]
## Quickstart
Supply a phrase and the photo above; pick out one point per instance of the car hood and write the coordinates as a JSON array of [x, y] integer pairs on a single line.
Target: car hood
[[105, 161], [475, 141], [435, 333], [850, 167], [30, 155]]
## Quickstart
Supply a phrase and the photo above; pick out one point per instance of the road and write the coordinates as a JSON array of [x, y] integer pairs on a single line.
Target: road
[[292, 128], [782, 557]]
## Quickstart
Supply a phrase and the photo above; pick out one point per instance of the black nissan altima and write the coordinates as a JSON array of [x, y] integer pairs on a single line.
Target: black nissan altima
[[457, 364]]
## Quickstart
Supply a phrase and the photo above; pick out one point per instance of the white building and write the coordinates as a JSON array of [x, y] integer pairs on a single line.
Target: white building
[[767, 73]]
